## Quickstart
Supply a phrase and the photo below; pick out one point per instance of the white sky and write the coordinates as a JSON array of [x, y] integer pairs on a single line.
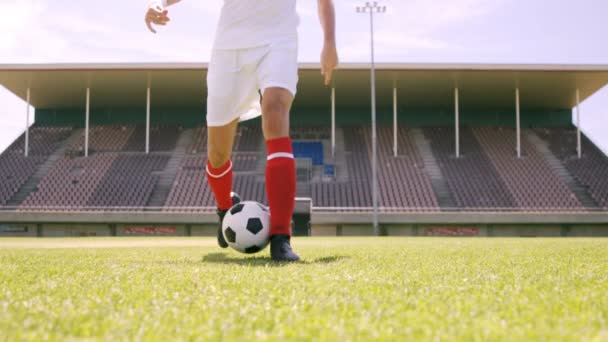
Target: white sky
[[450, 31]]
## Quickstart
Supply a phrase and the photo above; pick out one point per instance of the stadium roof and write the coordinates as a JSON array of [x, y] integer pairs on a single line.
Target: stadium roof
[[182, 85]]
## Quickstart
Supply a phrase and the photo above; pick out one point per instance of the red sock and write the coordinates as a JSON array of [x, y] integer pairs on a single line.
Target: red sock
[[280, 184], [220, 181]]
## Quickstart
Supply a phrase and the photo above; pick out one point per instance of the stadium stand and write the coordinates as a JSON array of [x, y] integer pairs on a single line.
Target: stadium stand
[[43, 140], [162, 138], [116, 138], [70, 183], [472, 178], [190, 188], [356, 192], [404, 185], [488, 176], [246, 161], [591, 170], [104, 138], [104, 180], [199, 141], [529, 179], [16, 169], [310, 133], [249, 138], [129, 181]]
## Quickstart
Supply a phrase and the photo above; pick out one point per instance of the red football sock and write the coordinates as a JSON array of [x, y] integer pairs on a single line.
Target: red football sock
[[280, 184], [220, 181]]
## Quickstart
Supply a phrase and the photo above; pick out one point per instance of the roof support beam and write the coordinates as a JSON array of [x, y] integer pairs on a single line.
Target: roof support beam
[[148, 120], [518, 122], [395, 151], [26, 148], [333, 122], [457, 120], [86, 123], [579, 150]]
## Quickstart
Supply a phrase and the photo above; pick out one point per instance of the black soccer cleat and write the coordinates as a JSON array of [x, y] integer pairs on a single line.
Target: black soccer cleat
[[280, 249], [221, 241]]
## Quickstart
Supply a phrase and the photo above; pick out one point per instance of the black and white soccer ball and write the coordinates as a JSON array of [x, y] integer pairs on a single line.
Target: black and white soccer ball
[[246, 227]]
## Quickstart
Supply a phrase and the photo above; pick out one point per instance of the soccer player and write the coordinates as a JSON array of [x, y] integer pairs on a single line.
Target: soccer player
[[255, 53]]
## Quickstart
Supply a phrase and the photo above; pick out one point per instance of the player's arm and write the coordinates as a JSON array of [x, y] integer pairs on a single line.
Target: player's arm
[[157, 13], [329, 56]]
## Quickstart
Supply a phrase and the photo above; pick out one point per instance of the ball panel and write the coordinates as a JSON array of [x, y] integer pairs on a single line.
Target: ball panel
[[237, 208], [230, 235], [254, 225], [253, 249]]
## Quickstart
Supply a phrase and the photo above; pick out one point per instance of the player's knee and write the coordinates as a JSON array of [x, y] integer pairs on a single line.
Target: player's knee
[[218, 158], [276, 117], [275, 108]]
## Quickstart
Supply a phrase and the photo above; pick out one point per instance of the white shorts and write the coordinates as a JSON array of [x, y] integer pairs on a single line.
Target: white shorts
[[236, 78]]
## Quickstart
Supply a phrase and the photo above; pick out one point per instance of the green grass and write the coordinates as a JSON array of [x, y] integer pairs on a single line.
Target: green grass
[[345, 289]]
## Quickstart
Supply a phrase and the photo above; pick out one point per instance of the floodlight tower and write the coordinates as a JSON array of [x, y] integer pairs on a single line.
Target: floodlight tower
[[372, 8]]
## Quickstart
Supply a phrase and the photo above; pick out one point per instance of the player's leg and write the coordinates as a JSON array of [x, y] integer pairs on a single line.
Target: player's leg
[[219, 166], [280, 170], [219, 170], [227, 89]]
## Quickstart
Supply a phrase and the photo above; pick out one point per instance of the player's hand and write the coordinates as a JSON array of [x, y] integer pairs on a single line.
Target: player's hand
[[329, 61], [156, 15]]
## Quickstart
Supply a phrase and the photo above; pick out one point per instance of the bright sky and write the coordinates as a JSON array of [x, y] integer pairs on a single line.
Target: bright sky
[[450, 31]]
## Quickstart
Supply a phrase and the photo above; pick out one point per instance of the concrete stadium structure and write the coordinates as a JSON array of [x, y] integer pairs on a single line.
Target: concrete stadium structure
[[416, 103]]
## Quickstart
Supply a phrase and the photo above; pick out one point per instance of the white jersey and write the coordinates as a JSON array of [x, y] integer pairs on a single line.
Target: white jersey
[[247, 24]]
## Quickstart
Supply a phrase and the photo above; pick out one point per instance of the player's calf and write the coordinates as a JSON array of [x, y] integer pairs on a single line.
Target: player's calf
[[220, 182]]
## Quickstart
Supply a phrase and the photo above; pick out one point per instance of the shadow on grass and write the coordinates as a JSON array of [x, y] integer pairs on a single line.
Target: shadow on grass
[[265, 261]]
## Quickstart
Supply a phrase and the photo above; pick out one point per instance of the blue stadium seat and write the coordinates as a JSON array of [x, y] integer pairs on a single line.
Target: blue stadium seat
[[309, 149]]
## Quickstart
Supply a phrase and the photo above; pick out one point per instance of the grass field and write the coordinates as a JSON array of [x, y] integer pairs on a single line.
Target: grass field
[[345, 289]]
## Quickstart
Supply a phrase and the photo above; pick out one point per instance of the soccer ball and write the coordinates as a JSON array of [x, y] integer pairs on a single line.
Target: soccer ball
[[246, 227]]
